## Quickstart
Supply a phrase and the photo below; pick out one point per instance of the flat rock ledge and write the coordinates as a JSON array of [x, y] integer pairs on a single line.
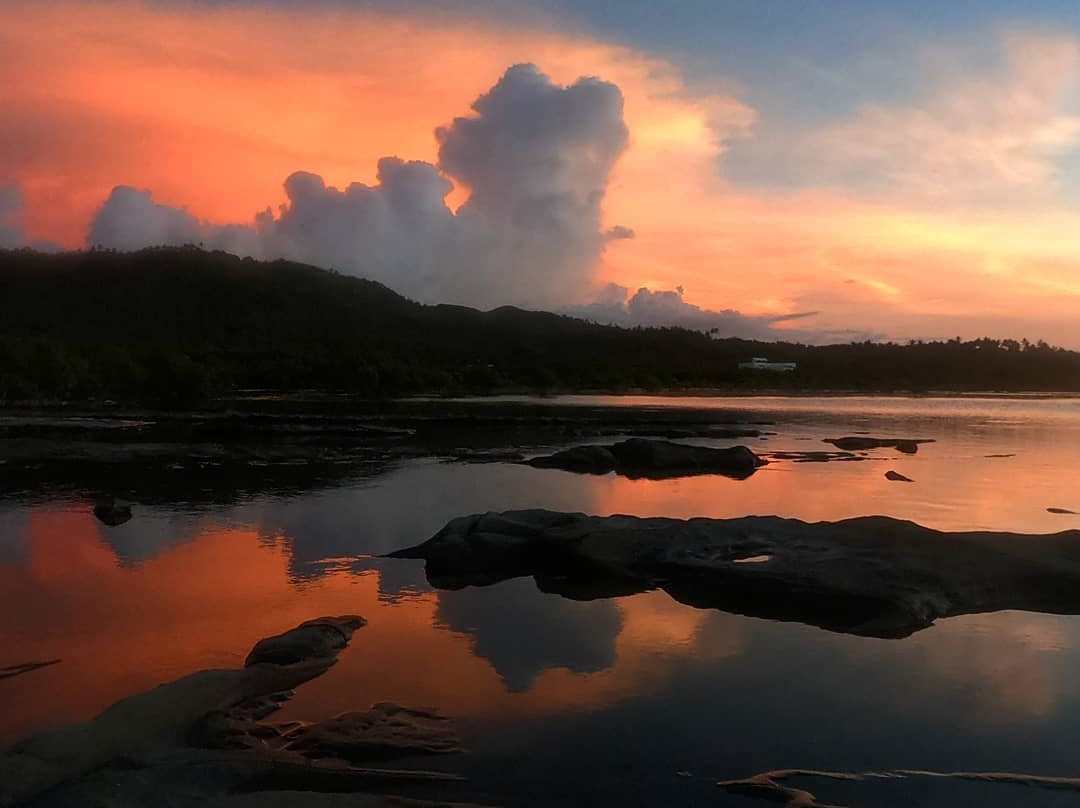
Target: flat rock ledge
[[203, 739], [774, 787], [646, 458], [861, 443], [872, 576]]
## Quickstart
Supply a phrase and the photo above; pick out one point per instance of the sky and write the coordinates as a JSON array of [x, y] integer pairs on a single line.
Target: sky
[[819, 170]]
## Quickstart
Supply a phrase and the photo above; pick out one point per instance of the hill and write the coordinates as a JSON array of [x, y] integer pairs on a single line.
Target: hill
[[178, 324]]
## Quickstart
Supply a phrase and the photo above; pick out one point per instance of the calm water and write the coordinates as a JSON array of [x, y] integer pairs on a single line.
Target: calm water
[[639, 699]]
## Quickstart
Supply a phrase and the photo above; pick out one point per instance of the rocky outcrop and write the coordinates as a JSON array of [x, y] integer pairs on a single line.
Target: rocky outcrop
[[872, 576], [204, 736], [859, 443], [653, 459]]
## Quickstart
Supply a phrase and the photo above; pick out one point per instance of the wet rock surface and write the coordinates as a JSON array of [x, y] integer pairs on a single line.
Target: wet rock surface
[[871, 576], [653, 459], [204, 738], [858, 443], [776, 788]]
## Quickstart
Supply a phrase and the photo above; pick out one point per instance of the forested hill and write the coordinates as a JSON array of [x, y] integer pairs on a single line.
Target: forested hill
[[178, 324]]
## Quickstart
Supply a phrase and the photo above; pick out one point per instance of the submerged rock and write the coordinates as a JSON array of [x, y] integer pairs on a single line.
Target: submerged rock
[[862, 443], [653, 459], [771, 787], [897, 477], [873, 576], [322, 637], [384, 732]]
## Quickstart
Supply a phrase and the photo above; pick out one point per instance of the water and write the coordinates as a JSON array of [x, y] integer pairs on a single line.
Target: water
[[639, 700]]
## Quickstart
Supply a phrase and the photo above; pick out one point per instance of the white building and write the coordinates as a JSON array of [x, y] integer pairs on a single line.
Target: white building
[[761, 363]]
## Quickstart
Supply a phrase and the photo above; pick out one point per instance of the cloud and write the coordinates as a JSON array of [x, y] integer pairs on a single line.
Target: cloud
[[535, 158], [11, 204], [983, 126], [647, 307]]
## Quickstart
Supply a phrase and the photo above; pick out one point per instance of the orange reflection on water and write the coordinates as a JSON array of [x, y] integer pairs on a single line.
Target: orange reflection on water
[[203, 603]]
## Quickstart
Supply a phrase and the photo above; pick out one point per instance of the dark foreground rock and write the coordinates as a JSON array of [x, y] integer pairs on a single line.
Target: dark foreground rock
[[897, 477], [203, 739], [775, 787], [653, 459], [860, 443], [872, 576]]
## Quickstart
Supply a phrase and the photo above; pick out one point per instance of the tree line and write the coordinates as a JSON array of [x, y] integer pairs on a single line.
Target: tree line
[[178, 326]]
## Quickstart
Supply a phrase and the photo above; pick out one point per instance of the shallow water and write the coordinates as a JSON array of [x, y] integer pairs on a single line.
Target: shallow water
[[637, 699]]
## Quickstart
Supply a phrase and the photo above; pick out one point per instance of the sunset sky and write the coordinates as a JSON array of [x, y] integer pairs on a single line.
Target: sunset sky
[[814, 170]]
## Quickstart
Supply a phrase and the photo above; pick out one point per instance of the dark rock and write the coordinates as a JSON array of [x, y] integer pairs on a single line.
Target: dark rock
[[1061, 511], [485, 456], [872, 576], [26, 667], [897, 477], [384, 732], [653, 459], [111, 513], [859, 443], [314, 639], [816, 457], [582, 459]]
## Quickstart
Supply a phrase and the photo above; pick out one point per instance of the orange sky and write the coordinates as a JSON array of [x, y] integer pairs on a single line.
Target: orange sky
[[212, 107]]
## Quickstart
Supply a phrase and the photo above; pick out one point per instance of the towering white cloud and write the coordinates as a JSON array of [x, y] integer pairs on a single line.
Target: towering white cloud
[[535, 158]]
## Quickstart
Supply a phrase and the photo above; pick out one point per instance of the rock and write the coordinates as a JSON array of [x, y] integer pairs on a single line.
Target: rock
[[319, 638], [17, 670], [897, 477], [582, 459], [770, 786], [860, 443], [653, 459], [384, 732], [111, 513], [465, 455], [871, 576], [1061, 511], [816, 457]]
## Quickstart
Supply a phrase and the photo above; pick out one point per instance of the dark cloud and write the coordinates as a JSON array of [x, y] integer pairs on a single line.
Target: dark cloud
[[535, 157]]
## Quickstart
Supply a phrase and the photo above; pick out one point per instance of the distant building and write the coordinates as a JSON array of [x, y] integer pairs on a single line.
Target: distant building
[[761, 363]]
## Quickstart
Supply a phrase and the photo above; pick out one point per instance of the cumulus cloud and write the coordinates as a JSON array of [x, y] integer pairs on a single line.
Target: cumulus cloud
[[535, 158], [646, 307], [614, 305], [11, 204]]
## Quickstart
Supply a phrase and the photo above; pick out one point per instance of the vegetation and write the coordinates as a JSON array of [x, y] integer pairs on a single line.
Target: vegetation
[[176, 325]]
